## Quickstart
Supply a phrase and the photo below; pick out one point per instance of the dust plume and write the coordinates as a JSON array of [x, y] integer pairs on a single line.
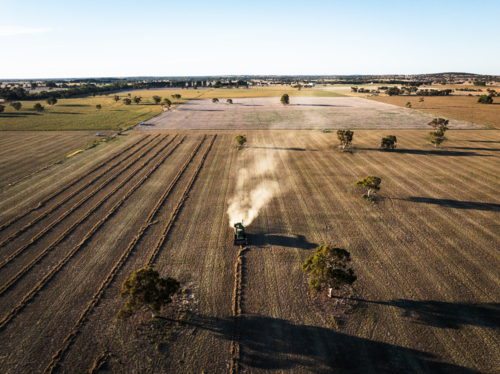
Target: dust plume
[[254, 189]]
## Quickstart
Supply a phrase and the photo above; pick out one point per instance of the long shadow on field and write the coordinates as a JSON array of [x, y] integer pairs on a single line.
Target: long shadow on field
[[424, 152], [478, 149], [65, 113], [446, 315], [286, 149], [299, 241], [483, 141], [73, 105], [456, 204], [450, 315], [334, 106], [275, 344], [22, 114]]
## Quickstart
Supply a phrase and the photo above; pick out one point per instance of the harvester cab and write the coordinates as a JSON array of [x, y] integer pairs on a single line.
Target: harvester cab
[[240, 237]]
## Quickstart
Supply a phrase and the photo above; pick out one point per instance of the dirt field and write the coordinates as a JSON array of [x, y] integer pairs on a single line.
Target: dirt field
[[30, 152], [462, 108], [302, 113], [426, 254]]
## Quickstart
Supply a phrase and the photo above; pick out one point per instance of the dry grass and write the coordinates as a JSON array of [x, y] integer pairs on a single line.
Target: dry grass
[[426, 254], [463, 108]]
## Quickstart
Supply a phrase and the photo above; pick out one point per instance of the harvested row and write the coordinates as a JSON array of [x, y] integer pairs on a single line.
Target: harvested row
[[149, 221], [235, 342], [179, 205], [73, 208], [74, 193], [80, 220], [57, 192], [70, 254]]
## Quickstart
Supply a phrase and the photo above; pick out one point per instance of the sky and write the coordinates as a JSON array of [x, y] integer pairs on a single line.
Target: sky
[[73, 39]]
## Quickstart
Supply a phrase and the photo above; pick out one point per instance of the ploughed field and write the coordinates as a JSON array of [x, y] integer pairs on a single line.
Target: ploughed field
[[303, 113], [426, 253]]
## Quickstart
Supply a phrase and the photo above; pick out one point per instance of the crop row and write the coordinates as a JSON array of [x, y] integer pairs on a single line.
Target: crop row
[[235, 341], [71, 210], [55, 269], [62, 189], [74, 226], [178, 207], [74, 193], [79, 323]]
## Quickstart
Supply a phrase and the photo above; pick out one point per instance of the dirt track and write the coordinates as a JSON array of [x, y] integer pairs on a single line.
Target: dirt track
[[303, 113]]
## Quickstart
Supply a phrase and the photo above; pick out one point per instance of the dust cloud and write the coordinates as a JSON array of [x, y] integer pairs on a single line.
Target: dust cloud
[[248, 201]]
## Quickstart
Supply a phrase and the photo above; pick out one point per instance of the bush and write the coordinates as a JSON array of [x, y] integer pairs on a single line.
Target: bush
[[485, 99], [285, 99]]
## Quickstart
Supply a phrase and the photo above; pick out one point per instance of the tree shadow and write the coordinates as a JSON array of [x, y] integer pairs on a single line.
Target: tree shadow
[[423, 152], [328, 105], [73, 105], [268, 343], [20, 115], [299, 241], [286, 149], [65, 113], [457, 204], [478, 149], [483, 141]]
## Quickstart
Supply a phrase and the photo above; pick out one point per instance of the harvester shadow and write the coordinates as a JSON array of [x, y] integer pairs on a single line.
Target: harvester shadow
[[264, 339], [457, 204], [299, 241]]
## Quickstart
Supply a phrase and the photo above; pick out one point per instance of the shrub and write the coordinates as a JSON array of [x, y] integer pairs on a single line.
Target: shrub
[[485, 99], [285, 99]]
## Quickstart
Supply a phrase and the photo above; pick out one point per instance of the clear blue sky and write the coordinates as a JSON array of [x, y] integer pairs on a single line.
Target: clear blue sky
[[90, 38]]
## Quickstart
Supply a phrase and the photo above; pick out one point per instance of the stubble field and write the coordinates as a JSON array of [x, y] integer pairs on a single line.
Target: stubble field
[[426, 254], [303, 113]]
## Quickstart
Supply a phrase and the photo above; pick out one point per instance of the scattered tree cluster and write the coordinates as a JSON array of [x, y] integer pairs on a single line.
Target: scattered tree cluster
[[485, 99], [389, 142], [327, 268], [145, 288], [440, 125], [345, 138]]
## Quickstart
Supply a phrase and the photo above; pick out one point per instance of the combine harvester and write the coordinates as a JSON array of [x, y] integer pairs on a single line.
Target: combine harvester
[[240, 237]]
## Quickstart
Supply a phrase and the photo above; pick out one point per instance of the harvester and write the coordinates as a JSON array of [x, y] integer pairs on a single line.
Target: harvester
[[240, 238]]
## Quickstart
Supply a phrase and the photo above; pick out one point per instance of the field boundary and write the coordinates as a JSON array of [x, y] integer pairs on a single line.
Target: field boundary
[[97, 296], [89, 234], [57, 192]]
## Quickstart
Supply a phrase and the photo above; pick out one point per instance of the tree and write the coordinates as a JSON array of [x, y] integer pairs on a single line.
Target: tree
[[157, 99], [39, 107], [437, 137], [215, 100], [229, 101], [393, 91], [241, 140], [345, 138], [116, 98], [485, 99], [389, 142], [16, 105], [167, 103], [98, 106], [33, 85], [371, 183], [285, 99], [145, 288], [354, 89], [127, 101], [92, 94], [137, 99], [327, 267], [440, 124], [421, 100], [2, 108], [51, 101], [176, 96], [408, 105]]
